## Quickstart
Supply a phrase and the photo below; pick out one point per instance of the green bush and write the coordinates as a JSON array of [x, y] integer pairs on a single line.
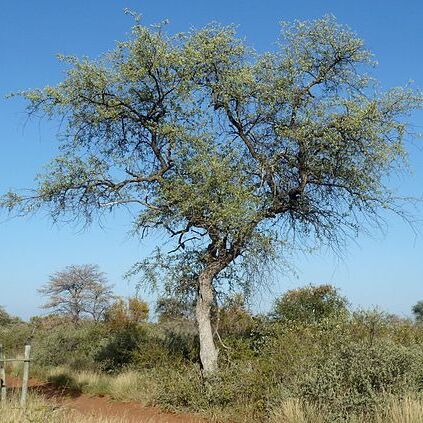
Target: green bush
[[310, 304], [153, 352], [6, 319], [343, 366], [14, 337], [69, 345], [66, 382], [182, 344], [118, 349], [146, 346], [355, 378]]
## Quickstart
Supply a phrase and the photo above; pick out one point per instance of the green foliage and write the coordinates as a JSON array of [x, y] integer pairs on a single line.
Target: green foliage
[[168, 308], [66, 382], [118, 349], [14, 336], [233, 392], [102, 347], [353, 378], [6, 318], [346, 368], [310, 304], [181, 344], [233, 316], [230, 152], [66, 344]]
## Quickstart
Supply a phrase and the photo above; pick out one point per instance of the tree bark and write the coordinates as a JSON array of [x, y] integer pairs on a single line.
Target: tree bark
[[205, 298]]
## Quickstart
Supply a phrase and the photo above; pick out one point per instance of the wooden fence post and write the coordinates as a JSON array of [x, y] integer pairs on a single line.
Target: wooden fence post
[[2, 374], [25, 376]]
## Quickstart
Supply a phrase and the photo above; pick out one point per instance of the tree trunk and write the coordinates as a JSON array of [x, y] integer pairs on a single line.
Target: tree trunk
[[208, 350]]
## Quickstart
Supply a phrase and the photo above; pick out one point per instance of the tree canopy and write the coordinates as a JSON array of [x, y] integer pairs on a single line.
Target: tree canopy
[[78, 292], [229, 152]]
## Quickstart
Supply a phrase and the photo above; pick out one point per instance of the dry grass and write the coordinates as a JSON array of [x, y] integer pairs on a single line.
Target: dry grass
[[406, 410], [295, 411], [15, 368], [126, 386], [133, 387]]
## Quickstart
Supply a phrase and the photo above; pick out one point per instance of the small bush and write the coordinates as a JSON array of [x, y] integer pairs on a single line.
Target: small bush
[[118, 350]]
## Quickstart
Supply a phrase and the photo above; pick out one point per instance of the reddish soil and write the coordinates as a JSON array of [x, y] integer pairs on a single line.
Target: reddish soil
[[131, 412]]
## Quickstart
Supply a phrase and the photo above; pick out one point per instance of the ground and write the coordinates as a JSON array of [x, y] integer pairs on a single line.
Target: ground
[[131, 412]]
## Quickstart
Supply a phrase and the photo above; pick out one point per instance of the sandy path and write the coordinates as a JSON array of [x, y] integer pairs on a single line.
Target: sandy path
[[130, 412]]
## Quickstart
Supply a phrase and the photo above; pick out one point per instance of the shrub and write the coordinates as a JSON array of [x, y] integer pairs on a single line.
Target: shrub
[[354, 378], [6, 319], [233, 316], [168, 309], [14, 337], [132, 311], [118, 349], [417, 310], [74, 346], [310, 304]]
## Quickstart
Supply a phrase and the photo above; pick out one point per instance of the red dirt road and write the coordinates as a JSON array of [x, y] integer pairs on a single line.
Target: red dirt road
[[129, 412]]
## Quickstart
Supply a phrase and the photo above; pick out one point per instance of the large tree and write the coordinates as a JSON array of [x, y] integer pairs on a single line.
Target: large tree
[[231, 153]]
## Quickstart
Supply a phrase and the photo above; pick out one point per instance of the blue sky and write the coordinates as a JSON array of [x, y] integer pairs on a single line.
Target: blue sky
[[385, 270]]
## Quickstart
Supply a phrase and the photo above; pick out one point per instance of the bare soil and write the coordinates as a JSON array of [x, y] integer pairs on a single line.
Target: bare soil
[[131, 412]]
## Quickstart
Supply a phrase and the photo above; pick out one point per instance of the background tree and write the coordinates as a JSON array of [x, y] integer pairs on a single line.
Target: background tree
[[6, 318], [131, 311], [310, 304], [417, 310], [77, 292], [233, 154], [138, 310]]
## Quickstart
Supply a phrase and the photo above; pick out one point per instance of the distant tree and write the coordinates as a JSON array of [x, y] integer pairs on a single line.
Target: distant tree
[[418, 311], [138, 310], [78, 292], [310, 304], [116, 315], [6, 318], [126, 312]]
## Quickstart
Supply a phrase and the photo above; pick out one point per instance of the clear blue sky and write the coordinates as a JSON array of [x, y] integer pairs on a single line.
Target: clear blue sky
[[385, 270]]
